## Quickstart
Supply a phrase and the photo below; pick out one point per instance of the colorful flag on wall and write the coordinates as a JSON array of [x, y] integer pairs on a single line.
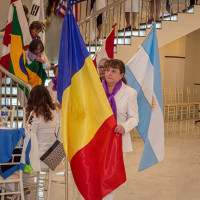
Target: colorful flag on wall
[[61, 9], [16, 41], [143, 74], [37, 14], [107, 49], [93, 148]]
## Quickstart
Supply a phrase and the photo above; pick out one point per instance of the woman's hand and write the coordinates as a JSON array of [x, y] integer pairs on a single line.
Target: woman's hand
[[46, 24], [58, 105], [120, 129], [40, 60]]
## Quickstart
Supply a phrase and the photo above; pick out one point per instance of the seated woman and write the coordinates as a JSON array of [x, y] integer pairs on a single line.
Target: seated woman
[[123, 101], [42, 118]]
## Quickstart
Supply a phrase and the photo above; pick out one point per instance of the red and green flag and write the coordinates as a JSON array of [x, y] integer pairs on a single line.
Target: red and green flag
[[16, 41]]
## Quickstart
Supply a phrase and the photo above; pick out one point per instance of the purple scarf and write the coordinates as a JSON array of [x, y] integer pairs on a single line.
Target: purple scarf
[[54, 80], [110, 96], [32, 56], [37, 37]]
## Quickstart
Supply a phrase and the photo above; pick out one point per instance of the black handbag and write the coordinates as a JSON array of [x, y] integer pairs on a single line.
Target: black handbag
[[54, 155]]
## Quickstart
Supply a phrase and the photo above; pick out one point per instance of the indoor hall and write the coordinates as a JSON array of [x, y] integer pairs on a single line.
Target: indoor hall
[[174, 178]]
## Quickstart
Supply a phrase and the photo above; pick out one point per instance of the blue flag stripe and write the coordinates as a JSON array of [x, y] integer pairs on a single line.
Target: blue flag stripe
[[151, 48], [148, 157], [66, 73], [143, 104]]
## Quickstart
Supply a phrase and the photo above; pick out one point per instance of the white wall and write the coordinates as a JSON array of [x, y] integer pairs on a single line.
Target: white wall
[[192, 70], [174, 69]]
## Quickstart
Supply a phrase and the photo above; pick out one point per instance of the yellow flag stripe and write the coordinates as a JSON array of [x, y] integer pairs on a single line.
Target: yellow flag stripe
[[82, 105], [34, 79], [16, 52]]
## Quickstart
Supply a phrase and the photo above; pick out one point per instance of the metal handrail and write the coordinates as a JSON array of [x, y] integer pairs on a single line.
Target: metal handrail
[[14, 78], [98, 12]]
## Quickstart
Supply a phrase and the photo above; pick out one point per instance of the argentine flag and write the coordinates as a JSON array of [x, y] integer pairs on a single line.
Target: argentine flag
[[143, 74]]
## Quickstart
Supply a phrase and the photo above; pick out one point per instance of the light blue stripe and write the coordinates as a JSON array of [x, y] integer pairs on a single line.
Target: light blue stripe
[[144, 108], [151, 48], [148, 156], [72, 54]]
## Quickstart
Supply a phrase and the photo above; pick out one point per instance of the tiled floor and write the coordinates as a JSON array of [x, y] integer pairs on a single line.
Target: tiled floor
[[177, 177]]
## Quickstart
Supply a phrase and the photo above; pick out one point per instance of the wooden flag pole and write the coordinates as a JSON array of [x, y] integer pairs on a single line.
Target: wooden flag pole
[[148, 33], [66, 179]]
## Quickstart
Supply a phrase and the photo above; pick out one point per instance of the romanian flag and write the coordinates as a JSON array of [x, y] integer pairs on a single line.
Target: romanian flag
[[93, 148], [16, 41]]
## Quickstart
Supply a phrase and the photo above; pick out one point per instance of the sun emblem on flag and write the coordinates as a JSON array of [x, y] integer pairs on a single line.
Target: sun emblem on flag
[[153, 104]]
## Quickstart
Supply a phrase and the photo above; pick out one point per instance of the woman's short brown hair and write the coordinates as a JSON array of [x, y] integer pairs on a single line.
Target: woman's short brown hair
[[40, 102], [116, 64], [36, 25], [34, 45]]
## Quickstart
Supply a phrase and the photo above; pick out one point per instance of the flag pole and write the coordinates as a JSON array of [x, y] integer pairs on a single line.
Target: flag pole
[[148, 34], [66, 179], [104, 41]]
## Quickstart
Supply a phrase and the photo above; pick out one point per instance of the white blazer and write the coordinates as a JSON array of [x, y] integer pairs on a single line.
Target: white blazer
[[127, 113]]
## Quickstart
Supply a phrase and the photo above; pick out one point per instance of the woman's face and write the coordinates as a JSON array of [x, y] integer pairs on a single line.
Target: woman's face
[[35, 32], [113, 75], [38, 50], [101, 70]]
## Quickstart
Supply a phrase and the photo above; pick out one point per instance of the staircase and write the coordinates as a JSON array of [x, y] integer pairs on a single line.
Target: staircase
[[126, 44], [167, 31]]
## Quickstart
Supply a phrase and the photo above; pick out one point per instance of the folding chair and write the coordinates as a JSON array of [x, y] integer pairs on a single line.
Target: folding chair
[[11, 114], [182, 107], [14, 179]]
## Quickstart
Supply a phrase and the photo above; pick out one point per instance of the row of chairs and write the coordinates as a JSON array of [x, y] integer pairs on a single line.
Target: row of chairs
[[180, 103]]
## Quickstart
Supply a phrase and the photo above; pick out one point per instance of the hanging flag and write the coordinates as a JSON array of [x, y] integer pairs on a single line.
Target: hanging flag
[[61, 9], [143, 74], [37, 14], [107, 49], [75, 11], [16, 40], [93, 148]]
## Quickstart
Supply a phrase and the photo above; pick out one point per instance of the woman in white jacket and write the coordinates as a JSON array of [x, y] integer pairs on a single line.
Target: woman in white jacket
[[123, 101]]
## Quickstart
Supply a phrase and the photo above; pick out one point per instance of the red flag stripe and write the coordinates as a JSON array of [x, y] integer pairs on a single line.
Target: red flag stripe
[[12, 1], [107, 49], [7, 34], [97, 167], [110, 45]]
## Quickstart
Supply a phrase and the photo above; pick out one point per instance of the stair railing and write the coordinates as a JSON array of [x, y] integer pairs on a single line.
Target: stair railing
[[13, 92], [114, 12]]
